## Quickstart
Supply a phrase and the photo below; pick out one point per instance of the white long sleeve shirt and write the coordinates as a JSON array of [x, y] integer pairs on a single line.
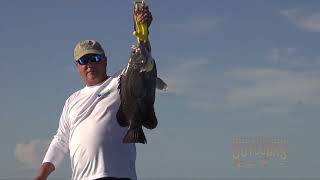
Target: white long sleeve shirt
[[88, 128]]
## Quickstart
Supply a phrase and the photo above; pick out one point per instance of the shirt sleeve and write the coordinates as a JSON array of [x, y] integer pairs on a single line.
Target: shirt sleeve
[[59, 145]]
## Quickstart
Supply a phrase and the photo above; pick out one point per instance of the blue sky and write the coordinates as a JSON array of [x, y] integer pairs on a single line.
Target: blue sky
[[234, 69]]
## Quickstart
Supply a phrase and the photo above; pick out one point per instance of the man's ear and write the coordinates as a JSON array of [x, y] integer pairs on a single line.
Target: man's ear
[[105, 59]]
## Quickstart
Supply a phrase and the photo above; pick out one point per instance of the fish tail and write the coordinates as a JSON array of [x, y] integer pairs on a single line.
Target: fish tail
[[135, 136]]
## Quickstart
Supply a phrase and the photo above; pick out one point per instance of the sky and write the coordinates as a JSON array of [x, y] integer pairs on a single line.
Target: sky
[[244, 69]]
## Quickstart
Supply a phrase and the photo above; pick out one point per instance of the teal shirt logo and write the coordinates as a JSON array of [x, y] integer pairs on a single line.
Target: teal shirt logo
[[105, 94]]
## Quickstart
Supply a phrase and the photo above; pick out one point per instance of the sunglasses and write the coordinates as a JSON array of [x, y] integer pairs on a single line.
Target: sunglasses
[[93, 58]]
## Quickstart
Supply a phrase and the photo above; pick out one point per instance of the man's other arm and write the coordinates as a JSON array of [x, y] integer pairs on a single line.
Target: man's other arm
[[45, 170]]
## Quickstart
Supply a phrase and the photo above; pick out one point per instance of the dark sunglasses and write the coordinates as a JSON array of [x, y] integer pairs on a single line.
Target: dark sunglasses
[[93, 58]]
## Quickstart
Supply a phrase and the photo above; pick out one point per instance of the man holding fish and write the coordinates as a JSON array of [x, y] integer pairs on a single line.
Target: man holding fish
[[92, 125]]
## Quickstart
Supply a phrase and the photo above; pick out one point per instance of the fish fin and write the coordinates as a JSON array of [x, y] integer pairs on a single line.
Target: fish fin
[[150, 122], [122, 121], [135, 136], [161, 85]]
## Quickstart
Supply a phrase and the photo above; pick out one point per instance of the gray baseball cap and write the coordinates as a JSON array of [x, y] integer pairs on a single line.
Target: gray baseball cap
[[87, 47]]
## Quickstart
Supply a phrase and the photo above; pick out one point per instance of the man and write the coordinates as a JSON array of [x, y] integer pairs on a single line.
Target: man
[[88, 127]]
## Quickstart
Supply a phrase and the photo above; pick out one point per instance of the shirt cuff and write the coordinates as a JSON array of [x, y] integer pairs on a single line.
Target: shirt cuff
[[54, 155]]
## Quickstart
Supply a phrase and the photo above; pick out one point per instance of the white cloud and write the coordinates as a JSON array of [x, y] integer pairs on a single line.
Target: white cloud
[[273, 90], [197, 25], [262, 89], [184, 72], [292, 58], [190, 78], [30, 154], [309, 22], [285, 55]]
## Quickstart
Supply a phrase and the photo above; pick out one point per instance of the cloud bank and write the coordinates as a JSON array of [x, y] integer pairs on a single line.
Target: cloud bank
[[30, 155], [293, 58], [306, 21], [273, 90], [266, 89]]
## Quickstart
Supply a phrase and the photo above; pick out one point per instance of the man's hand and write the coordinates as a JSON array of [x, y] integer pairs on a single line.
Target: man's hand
[[144, 16]]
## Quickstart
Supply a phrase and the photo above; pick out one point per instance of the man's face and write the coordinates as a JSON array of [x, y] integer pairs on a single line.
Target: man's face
[[91, 72]]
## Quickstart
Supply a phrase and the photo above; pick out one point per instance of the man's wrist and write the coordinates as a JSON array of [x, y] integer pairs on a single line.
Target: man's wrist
[[45, 170]]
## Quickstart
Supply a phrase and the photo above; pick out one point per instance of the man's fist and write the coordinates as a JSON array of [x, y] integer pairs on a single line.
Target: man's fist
[[143, 15]]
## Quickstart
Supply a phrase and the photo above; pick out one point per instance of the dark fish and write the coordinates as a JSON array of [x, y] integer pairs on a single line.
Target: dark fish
[[137, 93]]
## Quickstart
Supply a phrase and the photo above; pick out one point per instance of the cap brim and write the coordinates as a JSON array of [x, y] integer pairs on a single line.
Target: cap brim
[[91, 51]]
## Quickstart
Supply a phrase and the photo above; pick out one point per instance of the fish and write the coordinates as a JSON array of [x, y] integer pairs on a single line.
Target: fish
[[137, 88]]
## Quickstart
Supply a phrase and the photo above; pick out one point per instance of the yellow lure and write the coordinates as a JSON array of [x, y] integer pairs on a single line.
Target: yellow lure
[[141, 29]]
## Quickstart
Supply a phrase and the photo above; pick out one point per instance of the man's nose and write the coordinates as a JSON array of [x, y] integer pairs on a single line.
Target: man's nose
[[90, 64]]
